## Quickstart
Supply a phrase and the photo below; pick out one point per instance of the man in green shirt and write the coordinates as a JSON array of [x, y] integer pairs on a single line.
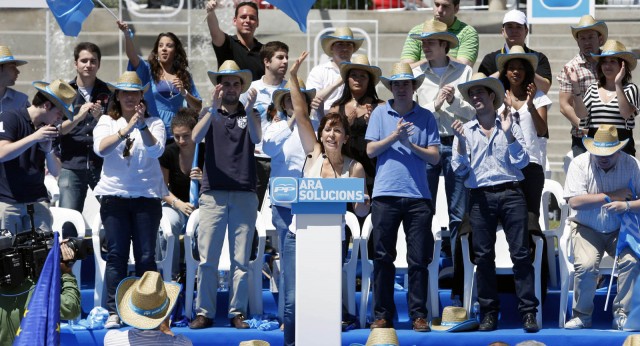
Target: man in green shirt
[[445, 11]]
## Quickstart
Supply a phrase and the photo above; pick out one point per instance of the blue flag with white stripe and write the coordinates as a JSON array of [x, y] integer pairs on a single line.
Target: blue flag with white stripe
[[629, 229], [70, 14], [296, 10]]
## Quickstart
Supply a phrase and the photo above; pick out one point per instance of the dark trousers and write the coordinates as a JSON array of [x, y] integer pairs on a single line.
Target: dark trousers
[[508, 207], [387, 214], [128, 220]]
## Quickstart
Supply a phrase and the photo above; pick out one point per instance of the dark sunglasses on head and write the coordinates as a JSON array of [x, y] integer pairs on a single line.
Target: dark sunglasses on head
[[127, 147]]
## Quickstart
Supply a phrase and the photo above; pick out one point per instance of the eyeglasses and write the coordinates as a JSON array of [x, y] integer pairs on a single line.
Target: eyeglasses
[[127, 147]]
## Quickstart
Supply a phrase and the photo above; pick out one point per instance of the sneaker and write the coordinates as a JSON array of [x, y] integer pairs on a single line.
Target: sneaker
[[113, 322], [578, 323]]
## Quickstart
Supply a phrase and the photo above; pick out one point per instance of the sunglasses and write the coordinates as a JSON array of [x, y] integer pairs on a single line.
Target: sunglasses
[[127, 147]]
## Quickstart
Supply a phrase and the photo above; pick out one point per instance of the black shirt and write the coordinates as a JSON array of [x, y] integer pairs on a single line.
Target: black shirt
[[76, 147], [489, 66], [247, 59], [179, 183], [21, 179], [229, 163]]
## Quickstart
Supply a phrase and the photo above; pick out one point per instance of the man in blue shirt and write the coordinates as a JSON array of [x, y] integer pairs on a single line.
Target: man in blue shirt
[[490, 150], [403, 137], [10, 99]]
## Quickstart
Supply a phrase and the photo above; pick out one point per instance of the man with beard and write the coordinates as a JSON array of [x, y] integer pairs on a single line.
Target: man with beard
[[228, 193]]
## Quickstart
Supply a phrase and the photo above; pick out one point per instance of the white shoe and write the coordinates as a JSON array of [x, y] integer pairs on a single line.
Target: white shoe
[[577, 323], [113, 322]]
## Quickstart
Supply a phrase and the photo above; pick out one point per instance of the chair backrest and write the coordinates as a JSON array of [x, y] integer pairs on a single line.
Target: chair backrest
[[442, 206], [552, 188], [567, 161], [51, 183], [62, 216], [192, 226]]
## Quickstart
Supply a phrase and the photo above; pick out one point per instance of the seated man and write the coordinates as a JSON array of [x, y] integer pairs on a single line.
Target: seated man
[[600, 186], [146, 304]]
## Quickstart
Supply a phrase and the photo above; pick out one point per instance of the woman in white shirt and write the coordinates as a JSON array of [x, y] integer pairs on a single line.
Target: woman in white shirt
[[131, 184]]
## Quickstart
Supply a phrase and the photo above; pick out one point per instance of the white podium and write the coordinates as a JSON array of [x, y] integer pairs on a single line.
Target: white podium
[[319, 205]]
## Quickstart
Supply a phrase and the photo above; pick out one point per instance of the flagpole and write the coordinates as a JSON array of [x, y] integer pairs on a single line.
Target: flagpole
[[613, 269], [113, 14]]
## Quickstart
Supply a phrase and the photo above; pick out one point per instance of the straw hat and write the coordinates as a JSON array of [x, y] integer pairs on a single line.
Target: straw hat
[[360, 62], [128, 81], [341, 34], [516, 52], [454, 319], [437, 30], [605, 142], [632, 340], [381, 337], [279, 93], [145, 302], [480, 78], [401, 71], [617, 49], [254, 343], [60, 93], [230, 68], [587, 22], [6, 57]]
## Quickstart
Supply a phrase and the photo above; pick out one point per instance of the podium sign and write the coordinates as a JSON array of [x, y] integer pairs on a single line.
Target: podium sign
[[319, 205]]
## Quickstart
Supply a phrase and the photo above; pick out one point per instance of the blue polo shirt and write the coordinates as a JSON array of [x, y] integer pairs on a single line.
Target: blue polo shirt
[[400, 172], [229, 162], [21, 179]]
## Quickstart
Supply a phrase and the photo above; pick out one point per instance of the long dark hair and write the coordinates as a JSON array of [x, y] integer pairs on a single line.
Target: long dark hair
[[347, 96], [180, 63], [602, 80], [115, 111], [332, 119], [529, 74]]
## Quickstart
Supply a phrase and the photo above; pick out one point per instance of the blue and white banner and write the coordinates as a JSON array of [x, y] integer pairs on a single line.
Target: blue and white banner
[[303, 190]]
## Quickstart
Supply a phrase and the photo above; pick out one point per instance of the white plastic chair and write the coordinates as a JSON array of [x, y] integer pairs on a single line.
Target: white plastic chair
[[350, 266], [567, 271], [62, 216], [401, 267], [504, 266], [552, 188], [100, 264], [51, 183], [567, 161], [255, 266]]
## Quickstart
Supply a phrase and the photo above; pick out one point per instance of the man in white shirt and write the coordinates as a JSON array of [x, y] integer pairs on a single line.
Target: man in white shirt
[[339, 46], [438, 93]]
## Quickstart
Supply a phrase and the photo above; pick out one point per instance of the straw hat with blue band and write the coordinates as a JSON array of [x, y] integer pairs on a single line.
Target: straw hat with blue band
[[128, 81], [60, 93], [587, 22], [341, 34], [480, 78], [6, 57], [230, 68], [360, 62], [436, 30], [454, 319], [144, 302], [605, 142], [280, 93], [613, 48], [401, 71], [516, 52], [381, 337]]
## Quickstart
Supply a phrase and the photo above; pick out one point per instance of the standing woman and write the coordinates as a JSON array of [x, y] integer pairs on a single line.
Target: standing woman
[[529, 107], [326, 159], [166, 69], [613, 100], [359, 98], [131, 184]]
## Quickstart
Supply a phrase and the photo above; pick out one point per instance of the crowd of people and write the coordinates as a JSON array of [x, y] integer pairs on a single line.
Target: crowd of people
[[141, 141]]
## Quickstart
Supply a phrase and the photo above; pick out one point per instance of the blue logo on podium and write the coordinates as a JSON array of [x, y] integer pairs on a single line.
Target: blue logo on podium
[[284, 190]]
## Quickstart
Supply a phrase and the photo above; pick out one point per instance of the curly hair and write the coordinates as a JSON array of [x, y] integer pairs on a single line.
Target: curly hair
[[180, 63]]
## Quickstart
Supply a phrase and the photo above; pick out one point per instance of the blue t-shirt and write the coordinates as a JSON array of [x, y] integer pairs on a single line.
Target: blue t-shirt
[[21, 179], [400, 172]]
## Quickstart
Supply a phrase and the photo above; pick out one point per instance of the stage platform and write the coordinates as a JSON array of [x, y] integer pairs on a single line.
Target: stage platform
[[509, 327]]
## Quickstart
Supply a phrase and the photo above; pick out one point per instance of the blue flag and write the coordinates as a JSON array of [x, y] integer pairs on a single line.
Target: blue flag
[[41, 322], [195, 185], [70, 14], [629, 229], [296, 10]]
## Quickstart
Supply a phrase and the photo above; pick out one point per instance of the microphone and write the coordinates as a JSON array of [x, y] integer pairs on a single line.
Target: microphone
[[324, 156], [304, 164]]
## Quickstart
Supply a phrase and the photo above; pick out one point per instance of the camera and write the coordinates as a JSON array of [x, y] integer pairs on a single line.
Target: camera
[[22, 256]]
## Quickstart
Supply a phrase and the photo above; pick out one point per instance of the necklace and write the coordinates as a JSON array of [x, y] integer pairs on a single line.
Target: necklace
[[169, 85]]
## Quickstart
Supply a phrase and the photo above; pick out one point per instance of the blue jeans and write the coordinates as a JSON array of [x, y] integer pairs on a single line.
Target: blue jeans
[[289, 266], [281, 218], [387, 214], [457, 193], [73, 185], [128, 220], [508, 206]]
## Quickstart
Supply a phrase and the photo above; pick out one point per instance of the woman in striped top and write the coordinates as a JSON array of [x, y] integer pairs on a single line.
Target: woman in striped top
[[613, 100]]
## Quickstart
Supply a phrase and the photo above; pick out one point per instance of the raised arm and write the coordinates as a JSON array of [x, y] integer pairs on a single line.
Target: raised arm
[[217, 35], [129, 47], [255, 128], [201, 128], [301, 109]]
